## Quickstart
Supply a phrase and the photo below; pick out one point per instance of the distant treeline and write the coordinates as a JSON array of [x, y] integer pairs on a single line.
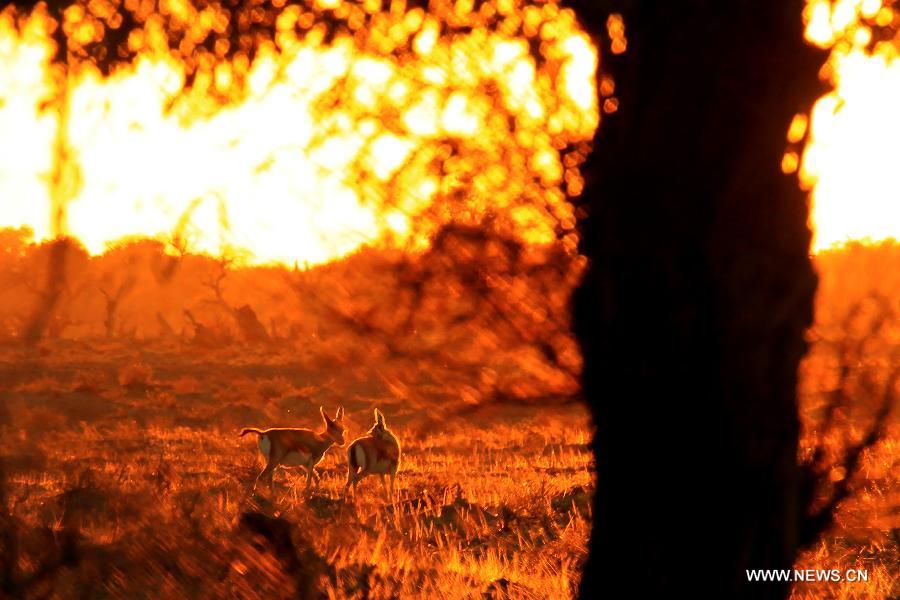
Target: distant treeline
[[470, 299]]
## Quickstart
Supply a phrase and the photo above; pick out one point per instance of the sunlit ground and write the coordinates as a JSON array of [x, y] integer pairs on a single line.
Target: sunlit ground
[[855, 350], [144, 461], [133, 444]]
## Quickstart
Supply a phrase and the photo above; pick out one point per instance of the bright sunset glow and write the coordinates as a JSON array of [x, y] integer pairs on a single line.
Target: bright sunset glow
[[850, 160], [363, 123], [337, 133]]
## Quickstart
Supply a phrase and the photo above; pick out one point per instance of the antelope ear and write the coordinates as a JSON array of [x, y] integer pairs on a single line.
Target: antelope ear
[[339, 415], [379, 418], [322, 412]]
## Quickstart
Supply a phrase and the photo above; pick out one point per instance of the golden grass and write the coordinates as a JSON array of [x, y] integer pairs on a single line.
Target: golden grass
[[131, 450], [855, 347], [151, 474]]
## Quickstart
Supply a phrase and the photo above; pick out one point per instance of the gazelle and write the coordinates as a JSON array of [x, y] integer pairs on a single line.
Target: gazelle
[[377, 452], [292, 447]]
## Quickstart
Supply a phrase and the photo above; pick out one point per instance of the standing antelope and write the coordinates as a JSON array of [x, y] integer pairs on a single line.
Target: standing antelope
[[376, 452], [292, 447]]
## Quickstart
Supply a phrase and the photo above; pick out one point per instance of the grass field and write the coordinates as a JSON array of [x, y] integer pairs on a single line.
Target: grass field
[[123, 475], [128, 459], [850, 373]]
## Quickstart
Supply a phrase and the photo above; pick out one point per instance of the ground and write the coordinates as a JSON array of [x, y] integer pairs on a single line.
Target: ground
[[124, 462], [123, 476]]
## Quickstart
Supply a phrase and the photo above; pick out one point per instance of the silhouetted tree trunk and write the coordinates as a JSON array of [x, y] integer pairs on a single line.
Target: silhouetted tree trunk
[[40, 321], [692, 316]]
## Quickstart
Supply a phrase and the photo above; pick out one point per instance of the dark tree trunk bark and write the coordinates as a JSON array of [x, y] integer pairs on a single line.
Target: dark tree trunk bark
[[693, 313]]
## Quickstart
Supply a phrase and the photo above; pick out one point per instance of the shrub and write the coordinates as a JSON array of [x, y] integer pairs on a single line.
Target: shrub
[[91, 382], [136, 376]]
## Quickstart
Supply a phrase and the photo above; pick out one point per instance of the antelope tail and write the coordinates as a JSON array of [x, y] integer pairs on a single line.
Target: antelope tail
[[247, 430]]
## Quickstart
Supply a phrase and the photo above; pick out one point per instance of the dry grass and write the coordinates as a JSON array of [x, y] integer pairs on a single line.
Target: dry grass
[[844, 381], [123, 471], [144, 467]]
